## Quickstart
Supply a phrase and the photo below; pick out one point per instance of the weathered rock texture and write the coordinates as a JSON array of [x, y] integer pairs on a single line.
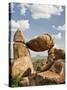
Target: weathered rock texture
[[19, 46], [18, 37], [22, 60], [51, 72], [46, 66], [22, 66], [42, 78], [20, 50], [53, 55], [41, 43], [54, 75], [58, 67]]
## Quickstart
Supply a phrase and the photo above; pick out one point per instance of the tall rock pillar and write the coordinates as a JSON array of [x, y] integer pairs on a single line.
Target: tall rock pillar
[[22, 64]]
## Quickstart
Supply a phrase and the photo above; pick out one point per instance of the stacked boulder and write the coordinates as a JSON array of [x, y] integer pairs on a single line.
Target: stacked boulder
[[55, 61], [54, 68], [41, 43]]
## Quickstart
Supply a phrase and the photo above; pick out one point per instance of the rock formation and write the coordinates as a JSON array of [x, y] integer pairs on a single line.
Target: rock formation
[[22, 66], [51, 72], [58, 66], [41, 43], [42, 78], [22, 60], [19, 47], [54, 54]]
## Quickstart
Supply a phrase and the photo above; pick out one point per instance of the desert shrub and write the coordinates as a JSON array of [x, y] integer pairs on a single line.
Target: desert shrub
[[15, 81]]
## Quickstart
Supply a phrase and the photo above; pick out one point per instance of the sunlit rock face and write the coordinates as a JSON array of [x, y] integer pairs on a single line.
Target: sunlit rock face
[[55, 54], [19, 46], [22, 67], [42, 78], [52, 71], [41, 43], [18, 37], [20, 50], [58, 66], [22, 60]]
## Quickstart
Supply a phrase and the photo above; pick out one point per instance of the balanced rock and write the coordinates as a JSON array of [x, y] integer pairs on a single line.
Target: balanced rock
[[22, 64], [41, 43]]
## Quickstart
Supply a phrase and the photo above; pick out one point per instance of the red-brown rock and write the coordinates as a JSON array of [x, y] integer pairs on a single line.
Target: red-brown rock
[[41, 43]]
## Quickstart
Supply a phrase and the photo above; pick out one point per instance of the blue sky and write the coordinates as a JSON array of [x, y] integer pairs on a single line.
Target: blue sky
[[35, 19]]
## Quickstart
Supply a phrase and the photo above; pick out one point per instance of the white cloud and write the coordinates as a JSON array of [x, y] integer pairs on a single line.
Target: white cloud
[[41, 11], [59, 28], [13, 24], [20, 24], [45, 11], [23, 24], [57, 36]]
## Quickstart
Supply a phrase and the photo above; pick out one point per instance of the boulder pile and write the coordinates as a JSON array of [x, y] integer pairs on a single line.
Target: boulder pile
[[53, 70]]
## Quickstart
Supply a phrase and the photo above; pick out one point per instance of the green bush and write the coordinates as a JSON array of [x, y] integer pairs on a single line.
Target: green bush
[[15, 81]]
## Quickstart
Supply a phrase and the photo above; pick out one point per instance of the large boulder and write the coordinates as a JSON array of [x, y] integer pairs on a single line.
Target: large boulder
[[55, 54], [22, 63], [41, 43]]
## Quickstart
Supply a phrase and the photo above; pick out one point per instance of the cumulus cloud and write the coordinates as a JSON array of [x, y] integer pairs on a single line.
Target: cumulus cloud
[[57, 36], [59, 28], [45, 11], [41, 11], [24, 24], [20, 24], [13, 24]]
